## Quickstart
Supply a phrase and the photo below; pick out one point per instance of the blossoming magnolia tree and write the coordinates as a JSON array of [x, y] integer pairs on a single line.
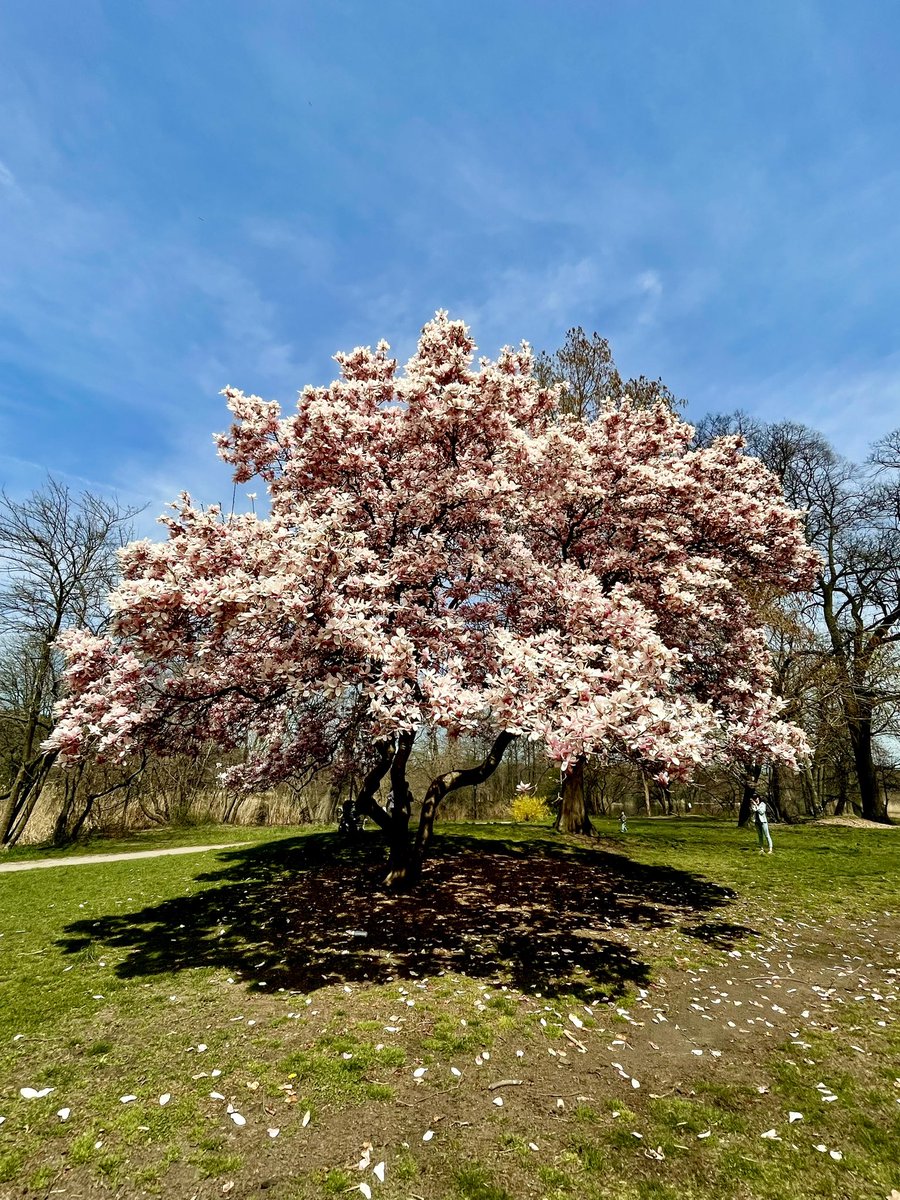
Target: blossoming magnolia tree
[[444, 548]]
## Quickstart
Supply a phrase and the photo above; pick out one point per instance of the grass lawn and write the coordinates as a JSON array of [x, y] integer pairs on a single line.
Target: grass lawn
[[663, 1014]]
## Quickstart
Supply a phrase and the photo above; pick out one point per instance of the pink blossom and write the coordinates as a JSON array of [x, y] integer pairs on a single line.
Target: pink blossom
[[443, 548]]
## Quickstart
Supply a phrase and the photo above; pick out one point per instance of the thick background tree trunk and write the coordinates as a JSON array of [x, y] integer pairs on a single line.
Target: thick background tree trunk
[[872, 801], [573, 816], [750, 782]]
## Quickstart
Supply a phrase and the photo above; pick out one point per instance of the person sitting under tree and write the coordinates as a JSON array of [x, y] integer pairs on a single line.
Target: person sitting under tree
[[760, 815]]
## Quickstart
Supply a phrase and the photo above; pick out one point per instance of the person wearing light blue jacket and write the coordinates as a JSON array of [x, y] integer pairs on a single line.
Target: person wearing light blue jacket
[[760, 815]]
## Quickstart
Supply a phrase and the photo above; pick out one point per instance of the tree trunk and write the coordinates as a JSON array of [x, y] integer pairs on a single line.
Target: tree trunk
[[573, 816], [667, 798], [842, 785], [409, 859], [784, 800], [873, 804], [646, 782], [18, 804], [402, 868], [750, 782], [70, 795], [810, 792]]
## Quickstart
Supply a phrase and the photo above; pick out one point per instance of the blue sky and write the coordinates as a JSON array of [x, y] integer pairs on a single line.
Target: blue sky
[[195, 194]]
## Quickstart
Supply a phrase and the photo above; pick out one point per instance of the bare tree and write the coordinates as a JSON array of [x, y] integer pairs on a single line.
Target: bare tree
[[57, 566], [853, 519]]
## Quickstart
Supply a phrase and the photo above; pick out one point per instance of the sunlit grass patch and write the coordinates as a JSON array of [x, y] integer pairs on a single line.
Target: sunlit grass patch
[[116, 977]]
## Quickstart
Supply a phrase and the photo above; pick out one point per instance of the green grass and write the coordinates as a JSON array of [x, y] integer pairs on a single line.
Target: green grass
[[474, 1183], [164, 838], [112, 976]]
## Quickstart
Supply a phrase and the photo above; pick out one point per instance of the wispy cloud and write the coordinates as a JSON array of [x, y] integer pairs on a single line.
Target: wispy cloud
[[852, 407]]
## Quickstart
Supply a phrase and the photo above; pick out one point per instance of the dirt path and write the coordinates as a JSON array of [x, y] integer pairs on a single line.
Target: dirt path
[[82, 859]]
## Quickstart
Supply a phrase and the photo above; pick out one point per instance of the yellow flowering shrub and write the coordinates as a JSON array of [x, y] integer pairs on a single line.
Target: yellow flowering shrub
[[527, 807]]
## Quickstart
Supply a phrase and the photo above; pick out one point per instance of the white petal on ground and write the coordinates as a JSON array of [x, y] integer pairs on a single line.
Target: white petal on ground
[[576, 1021], [836, 1155], [127, 1099], [165, 1098], [821, 1148], [456, 1071], [635, 1083], [366, 1190], [273, 1133], [378, 1172], [238, 1119], [216, 1096], [305, 1121], [532, 1146], [794, 1116], [427, 1135], [771, 1134], [30, 1093], [63, 1113], [705, 1134], [498, 1100], [419, 1072]]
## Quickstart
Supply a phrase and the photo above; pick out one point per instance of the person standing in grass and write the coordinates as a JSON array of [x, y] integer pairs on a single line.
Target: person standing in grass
[[760, 815], [623, 827]]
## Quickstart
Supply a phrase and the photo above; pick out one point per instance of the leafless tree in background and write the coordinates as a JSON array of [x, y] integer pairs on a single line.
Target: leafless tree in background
[[57, 566], [853, 520]]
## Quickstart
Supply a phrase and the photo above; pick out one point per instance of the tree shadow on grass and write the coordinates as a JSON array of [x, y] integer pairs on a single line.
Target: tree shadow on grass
[[304, 913]]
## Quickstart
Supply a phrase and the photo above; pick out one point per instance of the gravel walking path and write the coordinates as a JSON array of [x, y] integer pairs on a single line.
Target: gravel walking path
[[82, 859]]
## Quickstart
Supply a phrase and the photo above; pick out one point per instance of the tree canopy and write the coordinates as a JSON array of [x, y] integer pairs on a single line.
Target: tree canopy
[[445, 547]]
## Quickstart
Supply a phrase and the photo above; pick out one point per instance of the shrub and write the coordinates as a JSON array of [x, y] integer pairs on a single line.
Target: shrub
[[527, 807]]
